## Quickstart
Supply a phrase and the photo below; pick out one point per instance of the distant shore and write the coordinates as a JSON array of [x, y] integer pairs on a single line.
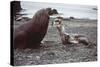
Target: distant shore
[[21, 16]]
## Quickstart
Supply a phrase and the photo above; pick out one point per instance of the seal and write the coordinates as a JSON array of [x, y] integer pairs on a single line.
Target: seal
[[67, 38], [30, 34]]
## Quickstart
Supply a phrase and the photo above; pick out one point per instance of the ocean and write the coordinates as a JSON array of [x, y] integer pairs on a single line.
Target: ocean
[[65, 10]]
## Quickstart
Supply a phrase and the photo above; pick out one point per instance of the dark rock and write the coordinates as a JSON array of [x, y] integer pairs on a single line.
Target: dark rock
[[94, 8], [71, 17]]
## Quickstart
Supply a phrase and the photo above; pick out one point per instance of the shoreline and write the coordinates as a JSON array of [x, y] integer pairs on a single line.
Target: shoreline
[[21, 16]]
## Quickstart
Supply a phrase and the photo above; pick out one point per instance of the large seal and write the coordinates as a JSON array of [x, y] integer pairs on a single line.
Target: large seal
[[30, 35]]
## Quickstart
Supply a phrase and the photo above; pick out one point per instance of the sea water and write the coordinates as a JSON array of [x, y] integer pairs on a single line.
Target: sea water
[[66, 10]]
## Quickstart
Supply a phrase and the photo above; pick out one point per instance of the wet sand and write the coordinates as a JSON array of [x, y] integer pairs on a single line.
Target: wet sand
[[52, 50]]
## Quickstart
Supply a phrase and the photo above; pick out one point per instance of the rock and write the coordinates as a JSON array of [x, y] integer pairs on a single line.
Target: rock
[[38, 57], [71, 17]]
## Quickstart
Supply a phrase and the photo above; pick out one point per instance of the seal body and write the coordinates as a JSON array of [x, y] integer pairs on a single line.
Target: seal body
[[30, 35]]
